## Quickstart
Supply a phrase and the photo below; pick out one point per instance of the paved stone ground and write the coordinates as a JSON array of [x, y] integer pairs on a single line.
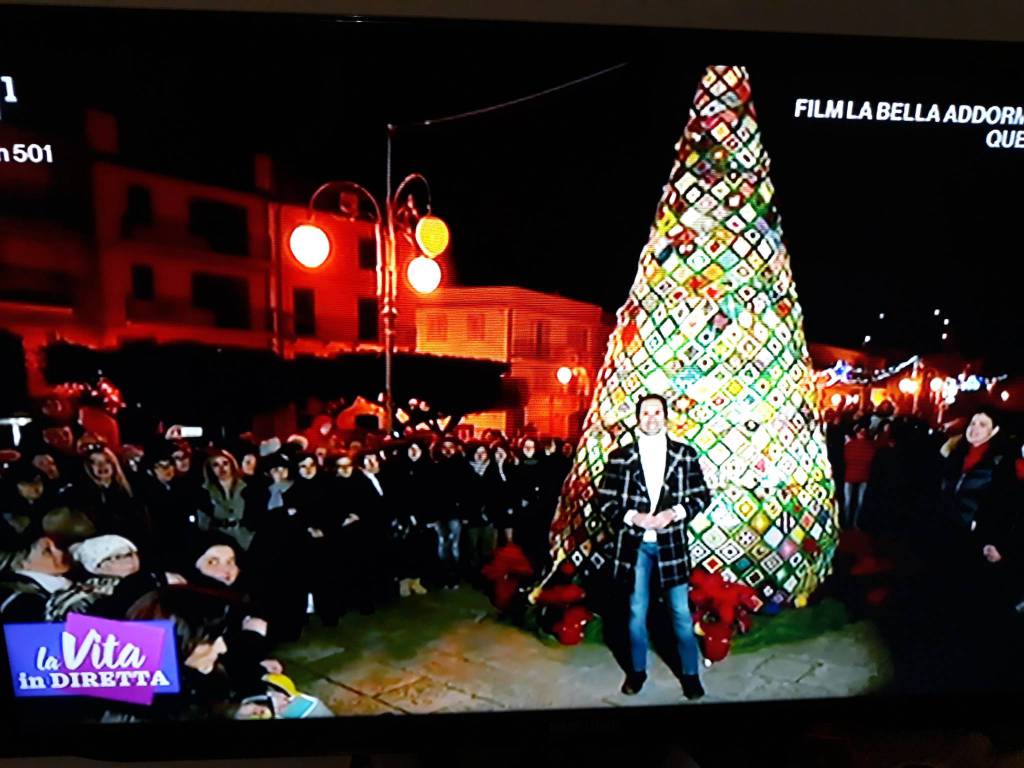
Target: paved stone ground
[[447, 652]]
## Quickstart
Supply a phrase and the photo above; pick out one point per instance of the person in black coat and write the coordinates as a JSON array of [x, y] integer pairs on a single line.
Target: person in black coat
[[105, 495], [556, 468], [377, 499], [215, 562], [345, 534], [446, 507], [310, 494], [280, 526], [478, 531], [502, 504], [201, 623], [976, 480], [533, 520], [414, 542], [168, 501]]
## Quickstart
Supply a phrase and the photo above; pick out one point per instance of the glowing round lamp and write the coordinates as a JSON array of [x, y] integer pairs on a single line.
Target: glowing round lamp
[[836, 400], [432, 236], [564, 375], [424, 274], [309, 245], [937, 384], [909, 386]]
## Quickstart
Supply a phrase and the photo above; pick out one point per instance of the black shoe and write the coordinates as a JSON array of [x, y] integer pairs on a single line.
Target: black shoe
[[633, 683], [692, 689]]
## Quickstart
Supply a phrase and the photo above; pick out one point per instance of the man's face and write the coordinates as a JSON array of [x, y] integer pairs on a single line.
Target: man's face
[[46, 557], [279, 474], [371, 464], [652, 417], [44, 463], [343, 467], [981, 429], [163, 470], [448, 449], [415, 452], [480, 455], [529, 449], [101, 467], [32, 490], [219, 563], [307, 467], [120, 565]]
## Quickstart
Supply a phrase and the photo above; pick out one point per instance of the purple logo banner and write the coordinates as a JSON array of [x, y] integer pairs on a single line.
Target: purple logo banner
[[128, 661]]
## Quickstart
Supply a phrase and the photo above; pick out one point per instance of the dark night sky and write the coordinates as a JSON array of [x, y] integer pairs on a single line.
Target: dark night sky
[[558, 194]]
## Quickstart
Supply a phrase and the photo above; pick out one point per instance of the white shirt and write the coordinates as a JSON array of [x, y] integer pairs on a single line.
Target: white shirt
[[653, 454], [48, 581], [376, 483]]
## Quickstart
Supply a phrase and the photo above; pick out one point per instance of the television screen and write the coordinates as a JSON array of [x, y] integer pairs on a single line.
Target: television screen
[[356, 367]]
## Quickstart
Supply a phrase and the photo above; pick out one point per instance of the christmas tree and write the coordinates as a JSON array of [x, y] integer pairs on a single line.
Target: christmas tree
[[712, 323]]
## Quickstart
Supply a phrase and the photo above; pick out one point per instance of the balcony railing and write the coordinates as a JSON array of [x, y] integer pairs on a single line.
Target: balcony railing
[[169, 311]]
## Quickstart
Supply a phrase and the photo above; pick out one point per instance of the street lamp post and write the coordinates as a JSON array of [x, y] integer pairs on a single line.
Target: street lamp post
[[312, 250]]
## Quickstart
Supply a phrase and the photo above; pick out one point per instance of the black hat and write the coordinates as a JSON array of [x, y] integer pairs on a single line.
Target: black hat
[[277, 459], [197, 544], [160, 450]]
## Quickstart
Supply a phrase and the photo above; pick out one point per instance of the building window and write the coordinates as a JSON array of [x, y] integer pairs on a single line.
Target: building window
[[368, 327], [367, 253], [223, 226], [143, 283], [542, 338], [476, 326], [579, 338], [305, 311], [138, 210], [227, 298], [437, 327], [37, 286]]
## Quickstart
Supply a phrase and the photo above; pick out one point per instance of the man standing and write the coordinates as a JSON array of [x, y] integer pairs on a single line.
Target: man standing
[[649, 492]]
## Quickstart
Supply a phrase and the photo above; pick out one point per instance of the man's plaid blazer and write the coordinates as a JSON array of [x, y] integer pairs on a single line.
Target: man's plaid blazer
[[622, 488]]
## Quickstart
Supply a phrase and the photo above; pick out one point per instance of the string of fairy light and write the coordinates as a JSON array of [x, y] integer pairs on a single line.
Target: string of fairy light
[[944, 388]]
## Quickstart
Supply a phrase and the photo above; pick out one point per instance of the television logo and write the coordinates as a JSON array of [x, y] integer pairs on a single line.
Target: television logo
[[128, 661]]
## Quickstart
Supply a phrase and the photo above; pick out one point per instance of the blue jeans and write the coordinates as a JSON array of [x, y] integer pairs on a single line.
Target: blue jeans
[[448, 533], [678, 599], [853, 496]]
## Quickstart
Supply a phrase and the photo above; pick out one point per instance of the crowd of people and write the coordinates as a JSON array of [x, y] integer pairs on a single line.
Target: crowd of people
[[955, 495], [239, 544]]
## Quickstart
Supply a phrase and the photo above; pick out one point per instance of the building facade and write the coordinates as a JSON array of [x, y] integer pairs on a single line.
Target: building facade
[[538, 335], [165, 259]]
